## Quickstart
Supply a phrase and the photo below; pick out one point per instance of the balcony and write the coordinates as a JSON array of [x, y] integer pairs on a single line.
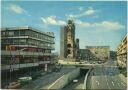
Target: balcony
[[17, 66], [3, 52]]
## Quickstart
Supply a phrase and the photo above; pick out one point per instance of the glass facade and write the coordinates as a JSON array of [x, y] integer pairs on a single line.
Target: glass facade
[[41, 40]]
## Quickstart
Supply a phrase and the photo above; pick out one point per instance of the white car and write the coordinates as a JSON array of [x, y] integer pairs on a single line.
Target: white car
[[75, 80]]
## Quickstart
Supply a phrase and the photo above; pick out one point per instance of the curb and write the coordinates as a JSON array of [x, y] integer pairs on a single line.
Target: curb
[[85, 80]]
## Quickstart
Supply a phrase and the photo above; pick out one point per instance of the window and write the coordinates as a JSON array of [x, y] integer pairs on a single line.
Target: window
[[23, 41], [16, 41], [3, 33], [69, 45], [22, 33], [69, 51], [42, 36], [39, 36], [16, 33], [10, 33], [10, 41]]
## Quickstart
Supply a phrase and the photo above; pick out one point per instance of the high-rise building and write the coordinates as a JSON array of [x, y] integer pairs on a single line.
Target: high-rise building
[[67, 42], [63, 42]]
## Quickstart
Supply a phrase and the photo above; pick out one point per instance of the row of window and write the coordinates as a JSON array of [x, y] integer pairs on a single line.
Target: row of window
[[40, 36], [27, 32], [14, 33], [14, 41], [10, 61], [26, 42]]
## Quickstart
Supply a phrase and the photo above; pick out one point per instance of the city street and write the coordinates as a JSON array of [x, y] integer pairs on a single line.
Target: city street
[[64, 45], [76, 85], [45, 81], [106, 77]]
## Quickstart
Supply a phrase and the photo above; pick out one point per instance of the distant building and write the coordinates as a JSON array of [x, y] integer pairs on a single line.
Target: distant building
[[122, 53], [26, 46], [99, 52], [84, 54], [67, 41], [113, 55], [77, 49], [63, 43]]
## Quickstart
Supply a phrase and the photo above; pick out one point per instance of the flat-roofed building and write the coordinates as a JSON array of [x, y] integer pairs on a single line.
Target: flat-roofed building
[[84, 54], [122, 53], [99, 52], [25, 45]]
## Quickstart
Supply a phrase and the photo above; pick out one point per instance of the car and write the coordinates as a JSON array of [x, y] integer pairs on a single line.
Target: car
[[75, 80], [99, 62], [25, 79], [93, 63], [85, 62], [13, 85]]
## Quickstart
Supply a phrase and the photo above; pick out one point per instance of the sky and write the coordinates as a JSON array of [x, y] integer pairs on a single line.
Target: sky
[[98, 23]]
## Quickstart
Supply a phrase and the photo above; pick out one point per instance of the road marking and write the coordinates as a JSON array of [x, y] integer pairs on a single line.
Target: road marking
[[122, 83], [107, 82], [119, 84], [113, 83], [97, 83], [55, 82]]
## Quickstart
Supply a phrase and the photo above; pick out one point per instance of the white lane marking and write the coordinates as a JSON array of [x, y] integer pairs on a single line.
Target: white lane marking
[[122, 83], [97, 83], [112, 83], [107, 82], [119, 84], [55, 82]]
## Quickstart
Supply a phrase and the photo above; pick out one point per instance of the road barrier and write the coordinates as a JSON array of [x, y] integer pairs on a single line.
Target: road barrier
[[86, 79]]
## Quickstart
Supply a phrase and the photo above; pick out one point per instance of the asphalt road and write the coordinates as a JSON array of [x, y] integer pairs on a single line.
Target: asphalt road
[[44, 82], [106, 76], [75, 85]]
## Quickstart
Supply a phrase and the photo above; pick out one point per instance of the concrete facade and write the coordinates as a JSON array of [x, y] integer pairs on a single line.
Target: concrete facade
[[122, 53], [67, 41], [63, 43], [99, 52], [70, 38]]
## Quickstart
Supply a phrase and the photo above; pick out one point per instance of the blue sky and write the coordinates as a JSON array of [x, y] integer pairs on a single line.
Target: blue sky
[[97, 22]]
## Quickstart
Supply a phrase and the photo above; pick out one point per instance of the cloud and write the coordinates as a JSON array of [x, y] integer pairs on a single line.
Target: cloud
[[82, 24], [52, 20], [89, 11], [17, 9], [101, 26], [80, 8]]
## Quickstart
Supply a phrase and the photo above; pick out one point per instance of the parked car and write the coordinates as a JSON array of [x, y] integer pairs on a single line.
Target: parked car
[[75, 80], [13, 85], [99, 62], [24, 79], [93, 63]]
